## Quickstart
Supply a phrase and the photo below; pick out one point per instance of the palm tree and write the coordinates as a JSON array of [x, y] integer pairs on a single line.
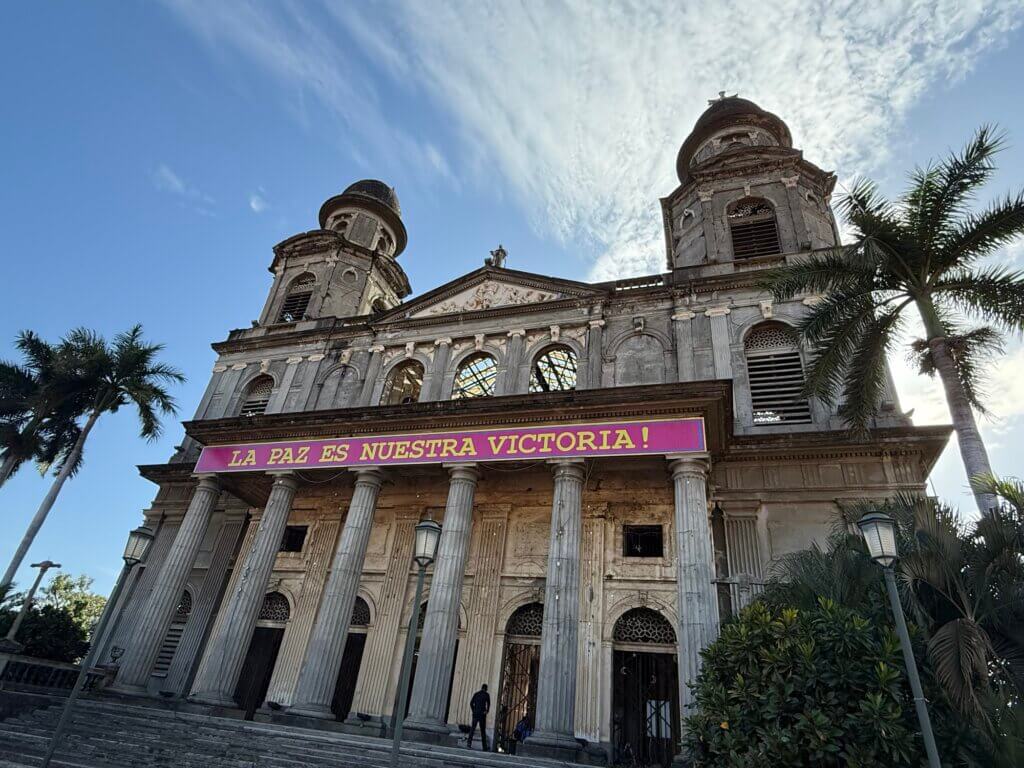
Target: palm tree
[[124, 373], [40, 401], [923, 250]]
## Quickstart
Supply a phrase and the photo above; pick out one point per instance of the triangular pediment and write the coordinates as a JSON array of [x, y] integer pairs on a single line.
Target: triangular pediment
[[491, 288]]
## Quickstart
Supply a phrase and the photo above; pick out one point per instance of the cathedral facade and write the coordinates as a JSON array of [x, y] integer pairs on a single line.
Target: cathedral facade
[[615, 467]]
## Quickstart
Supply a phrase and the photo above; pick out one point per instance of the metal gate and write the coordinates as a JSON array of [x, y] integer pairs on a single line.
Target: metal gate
[[519, 671]]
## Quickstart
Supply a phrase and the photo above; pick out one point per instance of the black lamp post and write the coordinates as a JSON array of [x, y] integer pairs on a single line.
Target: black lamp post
[[134, 553], [428, 533], [879, 532]]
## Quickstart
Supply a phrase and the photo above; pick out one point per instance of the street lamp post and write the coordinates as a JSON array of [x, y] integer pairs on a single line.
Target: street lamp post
[[10, 643], [134, 553], [879, 532], [428, 533]]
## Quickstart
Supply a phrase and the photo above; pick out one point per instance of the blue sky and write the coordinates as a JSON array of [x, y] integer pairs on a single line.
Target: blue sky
[[153, 153]]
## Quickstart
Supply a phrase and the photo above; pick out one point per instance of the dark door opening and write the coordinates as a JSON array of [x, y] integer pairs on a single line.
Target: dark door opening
[[412, 679], [520, 667], [645, 708], [345, 688], [254, 679]]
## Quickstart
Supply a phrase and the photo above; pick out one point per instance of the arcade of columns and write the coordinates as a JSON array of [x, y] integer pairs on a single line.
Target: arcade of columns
[[217, 676]]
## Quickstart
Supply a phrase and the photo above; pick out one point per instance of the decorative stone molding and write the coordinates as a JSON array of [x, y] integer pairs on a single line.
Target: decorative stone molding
[[705, 195], [378, 348], [219, 368], [790, 181], [239, 366], [264, 366], [294, 360], [746, 189], [766, 308], [717, 311], [596, 323], [811, 301], [478, 341], [410, 348], [445, 340], [556, 331], [318, 357], [684, 314]]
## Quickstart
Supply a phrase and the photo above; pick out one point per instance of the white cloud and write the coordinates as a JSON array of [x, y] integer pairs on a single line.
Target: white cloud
[[165, 179], [257, 202]]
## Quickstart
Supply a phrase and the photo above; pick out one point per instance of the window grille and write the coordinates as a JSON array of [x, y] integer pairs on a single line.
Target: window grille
[[294, 537], [554, 370], [360, 613], [642, 541], [403, 384], [642, 625], [527, 621], [274, 608], [776, 376], [753, 228], [297, 300], [257, 397], [172, 639], [475, 377]]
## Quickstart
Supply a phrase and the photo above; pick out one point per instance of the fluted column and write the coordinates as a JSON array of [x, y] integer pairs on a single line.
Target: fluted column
[[225, 652], [556, 688], [441, 626], [433, 382], [372, 372], [595, 353], [695, 570], [319, 673], [155, 617]]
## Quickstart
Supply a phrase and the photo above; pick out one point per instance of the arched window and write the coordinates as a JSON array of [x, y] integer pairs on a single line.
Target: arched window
[[640, 359], [753, 228], [340, 388], [378, 306], [403, 384], [776, 376], [475, 377], [527, 621], [642, 625], [553, 370], [257, 396], [275, 608], [360, 613], [297, 299]]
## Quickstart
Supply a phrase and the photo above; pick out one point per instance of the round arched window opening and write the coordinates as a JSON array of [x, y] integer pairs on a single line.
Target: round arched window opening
[[643, 625], [275, 608], [753, 228], [526, 621], [257, 396], [296, 301], [403, 384], [360, 613], [554, 370], [476, 377], [775, 375]]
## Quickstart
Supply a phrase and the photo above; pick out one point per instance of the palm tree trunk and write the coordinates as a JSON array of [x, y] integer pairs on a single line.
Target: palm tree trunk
[[972, 447], [51, 497], [7, 467]]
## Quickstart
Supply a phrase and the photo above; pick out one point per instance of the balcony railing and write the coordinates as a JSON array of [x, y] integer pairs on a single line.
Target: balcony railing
[[25, 673]]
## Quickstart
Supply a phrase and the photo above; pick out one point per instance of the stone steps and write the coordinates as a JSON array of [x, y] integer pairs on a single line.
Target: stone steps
[[108, 733]]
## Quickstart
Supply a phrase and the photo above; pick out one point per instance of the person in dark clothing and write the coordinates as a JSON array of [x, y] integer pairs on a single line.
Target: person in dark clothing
[[479, 705]]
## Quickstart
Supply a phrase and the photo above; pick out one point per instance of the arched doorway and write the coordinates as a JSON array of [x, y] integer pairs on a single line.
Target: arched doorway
[[520, 663], [261, 657], [645, 689], [345, 688]]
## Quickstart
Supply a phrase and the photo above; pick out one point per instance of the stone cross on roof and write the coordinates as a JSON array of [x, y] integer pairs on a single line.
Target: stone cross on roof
[[722, 97]]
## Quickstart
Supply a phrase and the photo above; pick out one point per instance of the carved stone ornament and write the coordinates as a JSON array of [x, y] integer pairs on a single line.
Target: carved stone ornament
[[410, 348], [478, 341], [556, 332], [766, 308], [264, 366], [488, 294]]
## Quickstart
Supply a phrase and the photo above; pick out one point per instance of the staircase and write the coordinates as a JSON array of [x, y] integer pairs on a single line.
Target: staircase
[[114, 734]]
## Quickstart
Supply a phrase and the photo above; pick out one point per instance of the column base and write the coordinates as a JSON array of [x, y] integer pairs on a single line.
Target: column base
[[318, 711], [370, 725], [556, 746], [213, 699], [131, 690], [428, 733]]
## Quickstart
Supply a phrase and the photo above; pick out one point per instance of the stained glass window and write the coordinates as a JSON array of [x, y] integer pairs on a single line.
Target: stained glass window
[[553, 370], [475, 377], [403, 384]]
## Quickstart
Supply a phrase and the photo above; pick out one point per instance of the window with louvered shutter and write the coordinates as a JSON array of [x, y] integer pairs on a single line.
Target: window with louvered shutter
[[753, 229], [297, 301], [172, 639], [776, 376], [257, 397]]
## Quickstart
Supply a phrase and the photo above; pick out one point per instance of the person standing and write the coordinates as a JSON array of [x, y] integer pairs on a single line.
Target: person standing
[[479, 705]]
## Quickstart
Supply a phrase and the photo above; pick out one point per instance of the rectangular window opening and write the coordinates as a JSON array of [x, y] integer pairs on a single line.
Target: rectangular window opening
[[294, 537], [642, 541]]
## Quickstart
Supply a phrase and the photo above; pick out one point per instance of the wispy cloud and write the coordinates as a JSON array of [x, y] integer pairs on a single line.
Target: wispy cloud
[[165, 179], [257, 202]]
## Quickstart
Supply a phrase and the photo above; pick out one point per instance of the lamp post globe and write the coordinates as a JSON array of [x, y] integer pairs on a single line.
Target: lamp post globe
[[428, 533], [137, 546], [879, 532]]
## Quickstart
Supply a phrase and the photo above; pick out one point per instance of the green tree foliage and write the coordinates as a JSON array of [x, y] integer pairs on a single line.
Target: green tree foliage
[[47, 632], [924, 251], [819, 686], [74, 596]]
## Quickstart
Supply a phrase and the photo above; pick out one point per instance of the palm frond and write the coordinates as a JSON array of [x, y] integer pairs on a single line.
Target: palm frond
[[969, 350], [996, 294], [977, 235], [959, 652], [866, 374], [832, 270]]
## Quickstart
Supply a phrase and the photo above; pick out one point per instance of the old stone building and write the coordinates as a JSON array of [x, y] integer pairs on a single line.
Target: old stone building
[[577, 576]]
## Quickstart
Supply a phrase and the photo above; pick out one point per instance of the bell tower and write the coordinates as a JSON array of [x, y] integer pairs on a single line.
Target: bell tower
[[346, 268], [745, 194]]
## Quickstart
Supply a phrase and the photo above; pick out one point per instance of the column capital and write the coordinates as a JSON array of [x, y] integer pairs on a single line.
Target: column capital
[[377, 348], [285, 478], [684, 314], [239, 366], [294, 360], [516, 332], [568, 468], [443, 340], [717, 311], [372, 475], [208, 480], [689, 464], [596, 323], [463, 471]]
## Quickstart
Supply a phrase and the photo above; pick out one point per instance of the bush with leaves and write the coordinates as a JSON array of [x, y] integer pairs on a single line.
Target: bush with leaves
[[47, 632]]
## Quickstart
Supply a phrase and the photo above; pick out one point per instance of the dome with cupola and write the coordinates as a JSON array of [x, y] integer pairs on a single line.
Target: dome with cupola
[[348, 214]]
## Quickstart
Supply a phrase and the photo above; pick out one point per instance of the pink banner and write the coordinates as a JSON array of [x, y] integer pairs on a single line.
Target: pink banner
[[633, 438]]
